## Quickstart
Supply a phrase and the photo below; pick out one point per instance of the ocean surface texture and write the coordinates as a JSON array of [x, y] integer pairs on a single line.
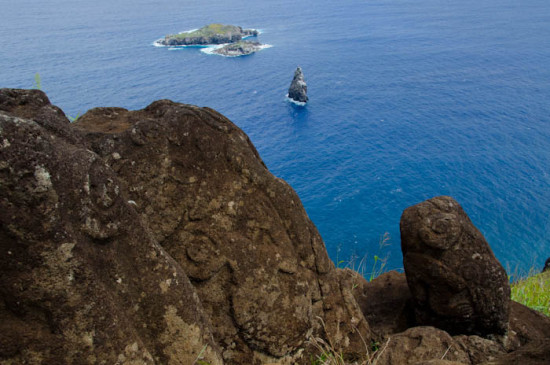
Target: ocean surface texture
[[408, 100]]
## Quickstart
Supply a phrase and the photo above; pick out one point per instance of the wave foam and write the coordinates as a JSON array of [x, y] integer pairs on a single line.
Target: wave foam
[[211, 48], [299, 103]]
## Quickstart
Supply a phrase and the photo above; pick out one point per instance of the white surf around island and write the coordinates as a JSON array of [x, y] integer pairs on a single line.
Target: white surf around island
[[211, 49], [299, 103]]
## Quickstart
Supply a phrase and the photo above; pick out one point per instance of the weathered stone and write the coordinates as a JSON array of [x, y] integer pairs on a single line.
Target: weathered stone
[[420, 344], [546, 265], [73, 290], [479, 349], [534, 353], [257, 262], [35, 105], [456, 282], [384, 301], [298, 87], [529, 325]]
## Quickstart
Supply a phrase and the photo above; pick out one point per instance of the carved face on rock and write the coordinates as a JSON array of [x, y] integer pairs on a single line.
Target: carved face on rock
[[440, 231], [456, 282]]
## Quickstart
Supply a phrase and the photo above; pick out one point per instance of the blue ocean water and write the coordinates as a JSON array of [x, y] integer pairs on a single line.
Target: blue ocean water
[[408, 100]]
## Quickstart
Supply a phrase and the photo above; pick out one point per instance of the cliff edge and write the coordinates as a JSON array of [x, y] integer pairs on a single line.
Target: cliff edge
[[158, 236]]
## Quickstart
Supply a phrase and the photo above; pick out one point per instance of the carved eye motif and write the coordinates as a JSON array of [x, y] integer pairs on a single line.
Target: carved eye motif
[[440, 231]]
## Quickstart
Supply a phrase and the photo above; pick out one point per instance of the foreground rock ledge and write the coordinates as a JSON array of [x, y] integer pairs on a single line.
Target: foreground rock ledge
[[159, 237], [153, 235]]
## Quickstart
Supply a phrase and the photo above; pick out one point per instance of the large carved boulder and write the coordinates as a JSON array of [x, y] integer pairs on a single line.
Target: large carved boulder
[[242, 235], [156, 236], [456, 282], [82, 279]]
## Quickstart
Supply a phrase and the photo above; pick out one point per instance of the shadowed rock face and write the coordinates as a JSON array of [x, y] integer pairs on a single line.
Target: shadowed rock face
[[384, 301], [546, 266], [150, 235], [534, 353], [298, 87], [529, 325], [456, 282]]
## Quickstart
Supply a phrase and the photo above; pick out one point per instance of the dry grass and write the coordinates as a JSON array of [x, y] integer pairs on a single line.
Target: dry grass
[[329, 355]]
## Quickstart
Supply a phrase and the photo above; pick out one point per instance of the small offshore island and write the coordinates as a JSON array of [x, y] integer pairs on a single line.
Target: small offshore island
[[226, 40], [241, 48]]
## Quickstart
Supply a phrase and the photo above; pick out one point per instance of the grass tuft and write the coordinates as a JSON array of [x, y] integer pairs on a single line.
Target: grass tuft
[[37, 81], [368, 270], [533, 292], [328, 355]]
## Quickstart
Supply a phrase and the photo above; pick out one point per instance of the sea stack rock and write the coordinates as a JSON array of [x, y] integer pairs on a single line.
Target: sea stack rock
[[298, 88], [456, 282]]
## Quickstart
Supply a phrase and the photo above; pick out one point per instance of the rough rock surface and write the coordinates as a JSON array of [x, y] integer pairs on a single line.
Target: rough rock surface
[[419, 344], [424, 344], [384, 301], [534, 353], [456, 282], [82, 278], [529, 325], [209, 34], [241, 48], [546, 265], [120, 209], [298, 87], [242, 236]]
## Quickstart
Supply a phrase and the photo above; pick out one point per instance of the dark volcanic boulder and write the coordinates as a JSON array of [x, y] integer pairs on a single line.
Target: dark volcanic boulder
[[528, 324], [156, 236], [385, 301], [456, 282], [546, 265], [298, 88], [534, 353], [82, 279], [257, 262]]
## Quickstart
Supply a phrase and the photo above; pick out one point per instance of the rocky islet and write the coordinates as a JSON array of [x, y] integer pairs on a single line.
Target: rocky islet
[[297, 91], [208, 35], [225, 40]]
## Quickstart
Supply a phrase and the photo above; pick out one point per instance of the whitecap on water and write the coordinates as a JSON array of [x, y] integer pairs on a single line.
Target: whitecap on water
[[294, 101]]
